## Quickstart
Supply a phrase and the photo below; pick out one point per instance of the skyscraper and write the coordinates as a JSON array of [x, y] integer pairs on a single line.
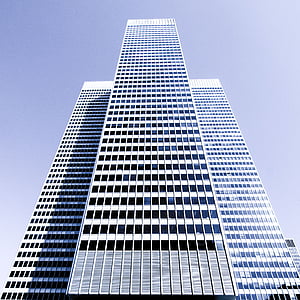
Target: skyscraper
[[153, 191]]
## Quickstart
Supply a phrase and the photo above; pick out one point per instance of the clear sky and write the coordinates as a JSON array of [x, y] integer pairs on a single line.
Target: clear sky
[[49, 48]]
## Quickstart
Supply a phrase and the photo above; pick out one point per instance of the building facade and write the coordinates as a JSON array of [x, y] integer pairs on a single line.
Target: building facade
[[42, 267], [153, 191], [294, 252]]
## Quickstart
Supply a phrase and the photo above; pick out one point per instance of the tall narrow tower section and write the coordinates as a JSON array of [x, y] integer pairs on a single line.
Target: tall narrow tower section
[[151, 225]]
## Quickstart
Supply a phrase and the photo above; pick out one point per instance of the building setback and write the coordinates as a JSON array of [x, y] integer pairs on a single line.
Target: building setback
[[153, 191]]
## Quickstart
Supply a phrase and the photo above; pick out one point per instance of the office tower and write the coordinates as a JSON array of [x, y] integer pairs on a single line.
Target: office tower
[[260, 258], [153, 192], [151, 195], [42, 267], [294, 252]]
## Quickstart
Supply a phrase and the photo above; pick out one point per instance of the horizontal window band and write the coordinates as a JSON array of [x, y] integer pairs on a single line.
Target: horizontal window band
[[150, 188], [150, 200], [164, 245], [152, 229]]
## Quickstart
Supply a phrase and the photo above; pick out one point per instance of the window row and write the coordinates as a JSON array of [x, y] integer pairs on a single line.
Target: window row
[[174, 105], [52, 245], [151, 245], [150, 200], [151, 100], [152, 229], [232, 163], [152, 118], [259, 264], [151, 132], [236, 185], [58, 220], [241, 191], [62, 227], [113, 167], [45, 264], [259, 236], [41, 273], [150, 188], [66, 212], [150, 112], [58, 253], [138, 125], [52, 236], [148, 177], [57, 284], [172, 74], [150, 214], [137, 81], [151, 148], [119, 157], [148, 140]]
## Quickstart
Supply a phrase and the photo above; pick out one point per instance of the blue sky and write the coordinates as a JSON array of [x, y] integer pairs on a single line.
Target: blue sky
[[49, 48]]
